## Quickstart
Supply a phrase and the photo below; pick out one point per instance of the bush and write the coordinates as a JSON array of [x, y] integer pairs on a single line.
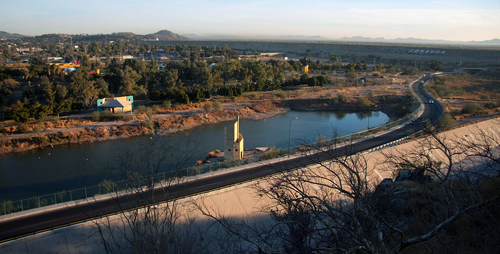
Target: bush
[[282, 95], [218, 106], [167, 104], [126, 117], [341, 97], [96, 116], [445, 121], [145, 110], [455, 112], [255, 96], [471, 107], [492, 105], [207, 107], [148, 123], [38, 129], [363, 102], [155, 109], [23, 128], [106, 114]]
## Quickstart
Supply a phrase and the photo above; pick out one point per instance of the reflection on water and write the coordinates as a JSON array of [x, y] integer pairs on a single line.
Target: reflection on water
[[73, 166]]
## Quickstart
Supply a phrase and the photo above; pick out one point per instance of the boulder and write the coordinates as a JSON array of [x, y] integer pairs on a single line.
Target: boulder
[[416, 175]]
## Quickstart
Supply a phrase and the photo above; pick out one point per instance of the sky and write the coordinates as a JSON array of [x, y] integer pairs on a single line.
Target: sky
[[473, 20]]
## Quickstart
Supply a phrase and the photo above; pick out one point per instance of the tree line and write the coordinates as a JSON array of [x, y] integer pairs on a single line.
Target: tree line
[[193, 77]]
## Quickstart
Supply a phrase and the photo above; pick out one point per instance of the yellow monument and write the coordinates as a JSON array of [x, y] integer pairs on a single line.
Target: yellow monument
[[233, 142]]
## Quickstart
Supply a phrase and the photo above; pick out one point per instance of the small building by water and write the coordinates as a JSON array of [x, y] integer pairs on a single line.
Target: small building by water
[[116, 105], [233, 142]]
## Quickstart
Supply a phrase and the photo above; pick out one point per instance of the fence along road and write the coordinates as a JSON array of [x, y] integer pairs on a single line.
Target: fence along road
[[50, 219]]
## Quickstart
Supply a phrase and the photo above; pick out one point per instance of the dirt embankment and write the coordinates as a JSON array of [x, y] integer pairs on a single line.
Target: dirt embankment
[[172, 122]]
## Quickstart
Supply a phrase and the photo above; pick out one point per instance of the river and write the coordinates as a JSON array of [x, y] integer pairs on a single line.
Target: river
[[43, 171]]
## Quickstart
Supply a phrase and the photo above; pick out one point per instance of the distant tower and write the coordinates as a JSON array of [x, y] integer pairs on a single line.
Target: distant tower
[[305, 70], [233, 142]]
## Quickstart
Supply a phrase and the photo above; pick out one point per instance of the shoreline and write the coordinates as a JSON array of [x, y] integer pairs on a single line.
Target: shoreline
[[164, 125], [113, 131]]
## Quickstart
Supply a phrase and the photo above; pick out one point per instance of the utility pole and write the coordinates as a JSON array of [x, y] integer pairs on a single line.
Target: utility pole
[[105, 34], [290, 135]]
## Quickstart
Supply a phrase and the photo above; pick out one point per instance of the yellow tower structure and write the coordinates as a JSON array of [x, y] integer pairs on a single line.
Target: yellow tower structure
[[305, 70], [233, 142]]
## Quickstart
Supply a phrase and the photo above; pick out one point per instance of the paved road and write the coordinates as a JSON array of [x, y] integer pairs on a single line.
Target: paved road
[[25, 225]]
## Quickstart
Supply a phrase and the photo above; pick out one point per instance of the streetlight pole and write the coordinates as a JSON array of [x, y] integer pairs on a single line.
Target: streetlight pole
[[290, 135]]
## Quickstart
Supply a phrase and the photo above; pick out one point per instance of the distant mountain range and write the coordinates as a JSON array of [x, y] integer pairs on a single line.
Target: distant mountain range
[[5, 35], [257, 37], [166, 35], [495, 42], [163, 35]]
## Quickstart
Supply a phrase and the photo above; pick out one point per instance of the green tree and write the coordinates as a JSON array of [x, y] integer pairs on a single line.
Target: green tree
[[62, 102], [94, 49], [128, 81], [48, 93], [341, 97], [313, 81], [334, 59], [38, 66], [471, 107], [436, 66], [218, 106], [445, 121], [103, 88], [363, 102], [304, 78], [19, 112], [171, 77], [202, 74], [410, 71], [81, 87], [207, 107], [391, 69], [182, 97], [351, 76], [323, 80], [7, 53]]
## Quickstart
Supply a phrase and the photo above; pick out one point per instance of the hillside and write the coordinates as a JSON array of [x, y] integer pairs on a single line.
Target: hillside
[[163, 35], [5, 35], [166, 35]]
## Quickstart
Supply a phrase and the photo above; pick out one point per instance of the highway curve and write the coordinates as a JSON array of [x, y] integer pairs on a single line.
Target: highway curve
[[73, 214]]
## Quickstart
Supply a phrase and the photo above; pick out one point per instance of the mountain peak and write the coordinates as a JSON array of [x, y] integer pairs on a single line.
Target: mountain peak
[[166, 35]]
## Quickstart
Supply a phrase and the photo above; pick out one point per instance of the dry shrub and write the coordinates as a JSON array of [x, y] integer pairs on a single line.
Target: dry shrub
[[213, 154], [263, 106], [23, 128]]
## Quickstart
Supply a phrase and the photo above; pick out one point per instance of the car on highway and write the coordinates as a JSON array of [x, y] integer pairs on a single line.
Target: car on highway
[[431, 101]]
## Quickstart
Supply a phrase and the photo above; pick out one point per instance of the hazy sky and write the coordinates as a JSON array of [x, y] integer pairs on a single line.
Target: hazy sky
[[447, 19]]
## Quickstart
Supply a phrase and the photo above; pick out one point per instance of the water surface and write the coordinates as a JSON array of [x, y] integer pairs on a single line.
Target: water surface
[[66, 167]]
